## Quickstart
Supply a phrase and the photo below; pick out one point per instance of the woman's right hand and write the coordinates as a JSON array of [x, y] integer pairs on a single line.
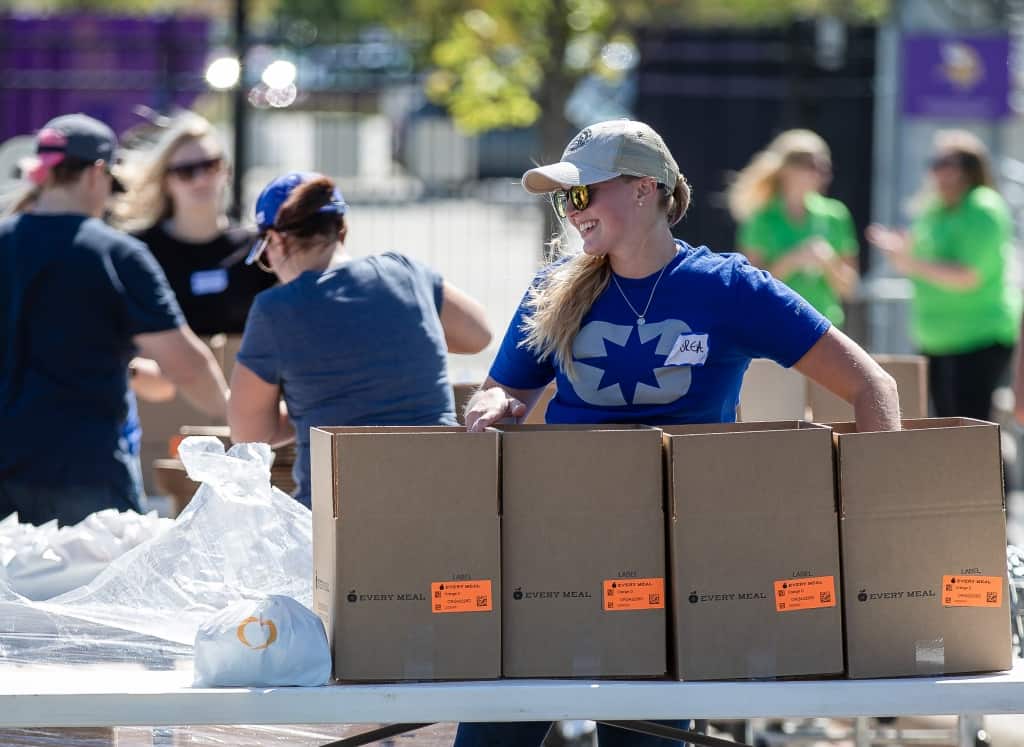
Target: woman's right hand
[[895, 245], [488, 406]]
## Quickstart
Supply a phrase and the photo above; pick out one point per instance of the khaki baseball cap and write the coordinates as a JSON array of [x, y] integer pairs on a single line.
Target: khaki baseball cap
[[604, 151]]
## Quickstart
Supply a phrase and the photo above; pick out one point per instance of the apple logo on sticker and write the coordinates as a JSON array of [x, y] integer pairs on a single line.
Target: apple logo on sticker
[[352, 596], [518, 593], [862, 596], [693, 597]]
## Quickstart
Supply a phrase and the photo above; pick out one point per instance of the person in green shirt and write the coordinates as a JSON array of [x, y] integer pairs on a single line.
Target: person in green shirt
[[788, 227], [966, 308]]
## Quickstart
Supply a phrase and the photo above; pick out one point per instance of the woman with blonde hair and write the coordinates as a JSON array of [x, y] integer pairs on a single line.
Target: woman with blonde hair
[[642, 328], [175, 204], [788, 227], [966, 308]]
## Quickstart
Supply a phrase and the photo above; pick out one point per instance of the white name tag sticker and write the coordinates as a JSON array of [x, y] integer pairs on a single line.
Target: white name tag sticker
[[208, 282], [688, 350]]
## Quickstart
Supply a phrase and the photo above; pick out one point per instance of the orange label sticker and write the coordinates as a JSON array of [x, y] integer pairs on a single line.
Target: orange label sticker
[[792, 594], [461, 596], [972, 591], [634, 594]]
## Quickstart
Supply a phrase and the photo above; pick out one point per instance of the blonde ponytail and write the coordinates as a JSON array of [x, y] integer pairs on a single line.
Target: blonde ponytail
[[558, 304], [678, 202], [25, 200]]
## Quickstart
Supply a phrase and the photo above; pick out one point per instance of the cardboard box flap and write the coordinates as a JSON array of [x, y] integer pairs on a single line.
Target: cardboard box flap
[[722, 469], [460, 468], [932, 464], [910, 373], [604, 468], [771, 392], [757, 426]]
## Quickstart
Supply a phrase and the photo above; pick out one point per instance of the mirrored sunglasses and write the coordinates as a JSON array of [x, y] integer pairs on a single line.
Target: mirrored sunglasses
[[579, 196], [189, 171]]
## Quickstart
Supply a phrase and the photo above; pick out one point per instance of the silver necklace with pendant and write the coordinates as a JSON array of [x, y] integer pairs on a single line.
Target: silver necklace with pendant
[[641, 316]]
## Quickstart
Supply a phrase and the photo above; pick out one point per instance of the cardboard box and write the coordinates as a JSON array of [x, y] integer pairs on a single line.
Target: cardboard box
[[754, 551], [923, 530], [406, 551], [462, 394], [161, 421], [911, 374], [173, 481], [771, 392], [583, 552]]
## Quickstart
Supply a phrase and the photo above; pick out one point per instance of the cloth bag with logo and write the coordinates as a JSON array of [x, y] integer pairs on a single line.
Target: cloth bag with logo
[[269, 642]]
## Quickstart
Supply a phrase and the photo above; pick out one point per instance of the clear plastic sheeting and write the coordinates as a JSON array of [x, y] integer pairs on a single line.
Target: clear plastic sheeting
[[40, 562], [239, 538], [437, 735]]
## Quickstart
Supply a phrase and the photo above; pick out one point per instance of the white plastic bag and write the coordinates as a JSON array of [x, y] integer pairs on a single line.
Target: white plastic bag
[[268, 642], [238, 539], [40, 562]]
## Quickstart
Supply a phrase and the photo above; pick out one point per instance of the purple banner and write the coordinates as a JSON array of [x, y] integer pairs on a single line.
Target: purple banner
[[101, 65], [956, 77]]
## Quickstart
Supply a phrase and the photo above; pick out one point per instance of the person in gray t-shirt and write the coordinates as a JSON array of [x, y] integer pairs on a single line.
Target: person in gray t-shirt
[[344, 341]]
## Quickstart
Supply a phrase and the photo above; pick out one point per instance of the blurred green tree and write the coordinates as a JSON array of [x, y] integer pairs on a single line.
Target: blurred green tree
[[498, 63], [504, 63]]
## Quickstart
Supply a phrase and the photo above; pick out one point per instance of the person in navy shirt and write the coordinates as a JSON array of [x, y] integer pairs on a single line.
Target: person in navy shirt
[[78, 301], [642, 328]]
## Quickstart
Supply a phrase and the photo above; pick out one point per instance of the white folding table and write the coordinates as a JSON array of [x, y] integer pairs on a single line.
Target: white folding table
[[124, 696]]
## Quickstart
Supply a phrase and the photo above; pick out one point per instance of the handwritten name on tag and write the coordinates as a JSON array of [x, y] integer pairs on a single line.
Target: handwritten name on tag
[[688, 350]]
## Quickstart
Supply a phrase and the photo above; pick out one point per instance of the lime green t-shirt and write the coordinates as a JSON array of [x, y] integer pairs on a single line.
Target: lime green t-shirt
[[772, 233], [976, 233]]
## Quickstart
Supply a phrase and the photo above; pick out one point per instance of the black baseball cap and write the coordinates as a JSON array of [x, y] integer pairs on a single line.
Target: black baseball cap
[[75, 135]]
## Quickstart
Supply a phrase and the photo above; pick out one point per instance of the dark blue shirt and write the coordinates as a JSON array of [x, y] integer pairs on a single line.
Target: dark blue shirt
[[73, 294], [708, 317], [360, 344]]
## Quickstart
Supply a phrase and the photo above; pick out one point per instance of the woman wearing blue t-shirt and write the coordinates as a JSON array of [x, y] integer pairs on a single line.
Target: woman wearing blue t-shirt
[[643, 328], [345, 341]]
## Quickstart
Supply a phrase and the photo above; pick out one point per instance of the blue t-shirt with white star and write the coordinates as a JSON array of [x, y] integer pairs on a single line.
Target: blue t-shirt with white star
[[709, 315]]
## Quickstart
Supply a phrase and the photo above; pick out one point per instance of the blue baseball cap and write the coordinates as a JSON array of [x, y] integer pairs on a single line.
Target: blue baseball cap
[[275, 194]]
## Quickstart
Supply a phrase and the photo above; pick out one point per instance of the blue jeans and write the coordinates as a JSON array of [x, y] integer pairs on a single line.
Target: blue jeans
[[69, 504], [531, 734]]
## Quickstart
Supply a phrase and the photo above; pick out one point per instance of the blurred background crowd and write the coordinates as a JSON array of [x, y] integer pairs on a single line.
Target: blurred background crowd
[[792, 119]]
